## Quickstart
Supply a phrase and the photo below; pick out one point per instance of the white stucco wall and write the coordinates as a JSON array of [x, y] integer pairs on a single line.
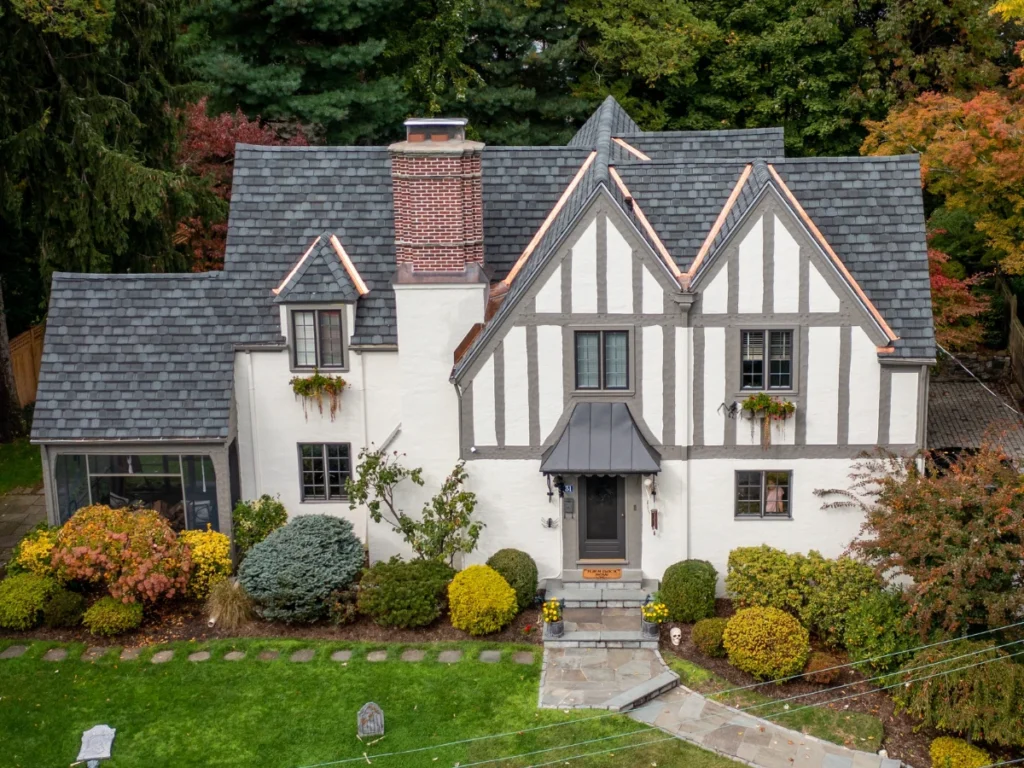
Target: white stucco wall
[[483, 405], [821, 297], [517, 389], [714, 385], [715, 297], [549, 377], [667, 545], [619, 273], [684, 386], [903, 407], [653, 381], [786, 280], [751, 270], [864, 384], [653, 298], [822, 395], [549, 297], [584, 271]]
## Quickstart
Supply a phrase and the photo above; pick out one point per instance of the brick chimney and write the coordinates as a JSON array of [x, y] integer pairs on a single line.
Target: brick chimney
[[436, 181]]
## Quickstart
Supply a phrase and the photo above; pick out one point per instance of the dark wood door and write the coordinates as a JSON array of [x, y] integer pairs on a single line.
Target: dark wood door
[[603, 523]]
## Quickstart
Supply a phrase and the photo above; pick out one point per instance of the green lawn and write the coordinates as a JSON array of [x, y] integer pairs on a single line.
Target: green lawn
[[852, 729], [20, 465], [290, 715]]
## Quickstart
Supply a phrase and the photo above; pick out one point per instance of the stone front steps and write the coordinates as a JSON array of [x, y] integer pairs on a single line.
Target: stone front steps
[[592, 627], [641, 694], [601, 639], [600, 594]]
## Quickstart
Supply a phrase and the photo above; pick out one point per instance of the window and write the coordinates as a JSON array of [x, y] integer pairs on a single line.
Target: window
[[602, 360], [324, 468], [317, 339], [763, 494], [778, 355]]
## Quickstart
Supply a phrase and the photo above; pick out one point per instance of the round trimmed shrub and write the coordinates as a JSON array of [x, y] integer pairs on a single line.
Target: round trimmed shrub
[[211, 560], [292, 573], [766, 577], [63, 609], [34, 553], [481, 600], [520, 571], [832, 587], [766, 642], [404, 594], [878, 626], [707, 636], [253, 521], [947, 752], [108, 617], [22, 597], [688, 590], [821, 668]]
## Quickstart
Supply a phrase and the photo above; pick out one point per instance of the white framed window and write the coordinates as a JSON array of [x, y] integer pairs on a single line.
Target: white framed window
[[317, 339]]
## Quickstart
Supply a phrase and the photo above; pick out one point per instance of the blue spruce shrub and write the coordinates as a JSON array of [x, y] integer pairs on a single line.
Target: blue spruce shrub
[[292, 573]]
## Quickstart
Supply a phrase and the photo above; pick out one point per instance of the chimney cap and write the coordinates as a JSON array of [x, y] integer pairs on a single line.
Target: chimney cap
[[436, 121]]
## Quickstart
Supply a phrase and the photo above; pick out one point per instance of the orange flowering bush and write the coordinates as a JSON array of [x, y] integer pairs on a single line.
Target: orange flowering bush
[[134, 553]]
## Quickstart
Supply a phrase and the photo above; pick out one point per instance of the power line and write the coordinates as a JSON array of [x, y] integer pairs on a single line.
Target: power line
[[868, 660], [905, 683], [1005, 762], [1002, 402], [462, 741], [555, 749], [880, 677], [602, 752]]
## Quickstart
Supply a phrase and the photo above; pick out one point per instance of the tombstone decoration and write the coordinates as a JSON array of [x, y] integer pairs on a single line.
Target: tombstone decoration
[[96, 744], [370, 720]]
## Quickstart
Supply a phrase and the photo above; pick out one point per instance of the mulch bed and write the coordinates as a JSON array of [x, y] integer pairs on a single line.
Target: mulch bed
[[186, 620], [903, 739]]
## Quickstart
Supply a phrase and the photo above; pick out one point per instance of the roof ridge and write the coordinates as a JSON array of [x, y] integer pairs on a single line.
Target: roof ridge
[[210, 275], [706, 132]]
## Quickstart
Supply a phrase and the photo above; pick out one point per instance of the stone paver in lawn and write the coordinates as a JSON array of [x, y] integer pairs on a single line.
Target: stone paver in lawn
[[199, 656], [162, 657], [341, 655], [413, 654], [449, 657], [130, 654], [269, 655], [377, 656], [19, 512], [303, 655], [55, 654], [735, 734], [234, 655], [13, 651], [94, 652], [490, 657], [523, 657]]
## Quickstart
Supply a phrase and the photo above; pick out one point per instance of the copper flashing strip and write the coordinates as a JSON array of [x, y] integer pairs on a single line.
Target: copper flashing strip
[[832, 254], [295, 269], [346, 262], [632, 150], [719, 222], [885, 350], [521, 261], [669, 261]]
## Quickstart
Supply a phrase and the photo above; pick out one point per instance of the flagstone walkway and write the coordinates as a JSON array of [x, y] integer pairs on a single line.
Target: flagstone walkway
[[20, 510], [590, 677]]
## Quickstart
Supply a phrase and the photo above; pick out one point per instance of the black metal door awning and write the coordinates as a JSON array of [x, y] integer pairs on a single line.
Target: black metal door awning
[[601, 438]]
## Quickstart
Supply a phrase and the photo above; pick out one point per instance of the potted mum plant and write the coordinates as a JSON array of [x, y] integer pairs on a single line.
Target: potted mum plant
[[652, 616], [768, 409], [553, 624]]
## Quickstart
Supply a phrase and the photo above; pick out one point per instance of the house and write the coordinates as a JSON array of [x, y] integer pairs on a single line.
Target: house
[[580, 324]]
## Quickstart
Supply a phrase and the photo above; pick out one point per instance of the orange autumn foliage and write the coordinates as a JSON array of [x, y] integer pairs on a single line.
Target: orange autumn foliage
[[954, 306]]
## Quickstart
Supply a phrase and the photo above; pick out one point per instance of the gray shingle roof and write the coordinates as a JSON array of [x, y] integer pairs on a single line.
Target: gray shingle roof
[[320, 278]]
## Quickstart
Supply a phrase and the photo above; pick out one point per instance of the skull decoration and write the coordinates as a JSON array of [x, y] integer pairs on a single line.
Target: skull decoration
[[676, 634]]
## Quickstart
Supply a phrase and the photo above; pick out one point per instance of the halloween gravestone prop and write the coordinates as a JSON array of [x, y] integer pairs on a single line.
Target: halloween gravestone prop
[[96, 744], [370, 720]]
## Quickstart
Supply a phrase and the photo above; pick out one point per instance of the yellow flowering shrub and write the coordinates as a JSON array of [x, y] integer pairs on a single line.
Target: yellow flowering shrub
[[34, 553], [947, 752], [481, 601], [766, 642], [211, 560]]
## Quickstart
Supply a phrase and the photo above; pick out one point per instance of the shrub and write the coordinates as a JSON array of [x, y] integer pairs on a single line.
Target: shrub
[[292, 573], [688, 589], [767, 578], [400, 594], [877, 626], [228, 605], [520, 571], [344, 607], [211, 560], [134, 553], [481, 600], [766, 642], [821, 668], [255, 520], [947, 752], [980, 703], [833, 586], [22, 597], [34, 553], [108, 617], [63, 609], [707, 636]]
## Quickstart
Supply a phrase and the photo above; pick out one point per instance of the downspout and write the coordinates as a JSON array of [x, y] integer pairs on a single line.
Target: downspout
[[366, 440], [255, 429]]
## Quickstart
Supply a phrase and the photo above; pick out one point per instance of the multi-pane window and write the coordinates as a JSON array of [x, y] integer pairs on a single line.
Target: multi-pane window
[[602, 360], [763, 494], [768, 352], [317, 340], [324, 469]]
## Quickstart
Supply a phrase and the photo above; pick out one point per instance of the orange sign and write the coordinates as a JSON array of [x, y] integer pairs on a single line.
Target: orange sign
[[602, 573]]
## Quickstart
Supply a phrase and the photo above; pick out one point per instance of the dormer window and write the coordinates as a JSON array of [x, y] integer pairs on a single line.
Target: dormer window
[[317, 340]]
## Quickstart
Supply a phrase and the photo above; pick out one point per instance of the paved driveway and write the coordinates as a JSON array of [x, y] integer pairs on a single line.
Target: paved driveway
[[19, 511]]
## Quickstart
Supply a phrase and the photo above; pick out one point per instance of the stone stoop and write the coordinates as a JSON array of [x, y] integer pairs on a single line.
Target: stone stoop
[[601, 639], [642, 693], [600, 594]]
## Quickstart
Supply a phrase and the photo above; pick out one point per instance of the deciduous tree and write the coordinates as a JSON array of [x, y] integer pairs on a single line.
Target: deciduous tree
[[954, 307]]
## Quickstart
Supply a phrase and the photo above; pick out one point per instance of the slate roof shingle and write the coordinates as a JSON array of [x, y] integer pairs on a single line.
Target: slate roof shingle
[[320, 278]]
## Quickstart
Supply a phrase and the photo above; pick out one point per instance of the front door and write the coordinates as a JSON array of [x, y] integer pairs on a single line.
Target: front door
[[603, 527]]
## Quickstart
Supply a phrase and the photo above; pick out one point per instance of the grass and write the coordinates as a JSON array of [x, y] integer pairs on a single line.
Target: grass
[[20, 466], [856, 730], [289, 715]]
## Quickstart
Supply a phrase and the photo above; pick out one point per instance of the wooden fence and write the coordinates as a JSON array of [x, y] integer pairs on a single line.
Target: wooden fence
[[1016, 337], [26, 353]]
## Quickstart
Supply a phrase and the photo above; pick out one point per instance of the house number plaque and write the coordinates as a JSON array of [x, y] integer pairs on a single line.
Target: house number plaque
[[602, 573]]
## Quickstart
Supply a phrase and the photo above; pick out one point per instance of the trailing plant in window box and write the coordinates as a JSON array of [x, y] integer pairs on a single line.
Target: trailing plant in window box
[[316, 388], [768, 409]]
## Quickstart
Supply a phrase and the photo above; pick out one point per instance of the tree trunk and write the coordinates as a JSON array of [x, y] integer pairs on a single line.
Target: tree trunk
[[11, 422]]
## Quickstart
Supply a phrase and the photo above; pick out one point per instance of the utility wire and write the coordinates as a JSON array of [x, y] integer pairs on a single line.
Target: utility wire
[[462, 741], [555, 749], [1005, 762], [602, 752], [865, 661], [1002, 402], [880, 677], [904, 683]]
